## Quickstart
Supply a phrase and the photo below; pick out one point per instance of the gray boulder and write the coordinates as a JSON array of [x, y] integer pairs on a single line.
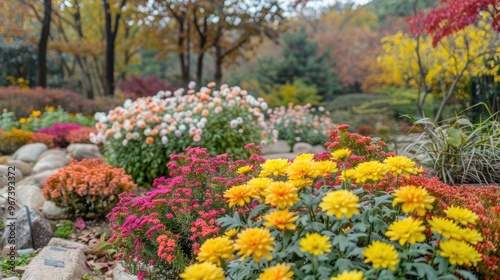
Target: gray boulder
[[302, 148], [5, 169], [279, 147], [40, 178], [80, 151], [119, 273], [31, 196], [282, 155], [21, 165], [53, 212], [30, 152], [318, 149], [51, 159], [42, 231]]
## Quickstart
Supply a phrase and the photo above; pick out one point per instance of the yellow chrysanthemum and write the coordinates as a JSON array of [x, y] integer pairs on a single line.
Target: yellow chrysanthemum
[[349, 275], [239, 195], [281, 194], [22, 120], [381, 254], [278, 272], [276, 167], [255, 242], [300, 183], [370, 170], [315, 244], [401, 165], [470, 235], [340, 203], [231, 233], [300, 169], [244, 169], [413, 198], [50, 108], [341, 154], [215, 249], [202, 271], [406, 230], [447, 228], [461, 215], [304, 157], [326, 167], [260, 184], [347, 175], [281, 219], [36, 113], [459, 252]]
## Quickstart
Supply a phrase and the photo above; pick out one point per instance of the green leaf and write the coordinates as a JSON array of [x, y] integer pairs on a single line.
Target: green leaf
[[454, 137], [425, 269], [256, 211], [467, 274]]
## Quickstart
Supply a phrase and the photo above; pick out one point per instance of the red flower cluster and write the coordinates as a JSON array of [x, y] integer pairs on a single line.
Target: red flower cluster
[[80, 135], [40, 137]]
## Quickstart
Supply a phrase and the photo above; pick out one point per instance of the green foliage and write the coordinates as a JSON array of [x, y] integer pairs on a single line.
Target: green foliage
[[387, 8], [404, 101], [65, 230], [300, 61], [348, 101], [20, 261], [297, 93], [51, 116], [458, 151], [7, 120]]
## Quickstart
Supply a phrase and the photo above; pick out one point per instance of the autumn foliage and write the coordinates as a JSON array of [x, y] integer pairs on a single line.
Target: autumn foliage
[[87, 188]]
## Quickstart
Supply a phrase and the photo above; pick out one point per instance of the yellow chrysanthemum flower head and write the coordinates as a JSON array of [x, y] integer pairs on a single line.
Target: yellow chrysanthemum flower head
[[413, 199], [281, 194], [305, 156], [244, 169], [326, 167], [340, 203], [407, 230], [401, 165], [300, 183], [461, 215], [278, 272], [239, 195], [341, 154], [459, 252], [382, 255], [282, 219], [276, 167], [347, 175], [215, 249], [470, 235], [300, 169], [349, 275], [231, 233], [202, 271], [315, 244], [261, 184], [447, 228], [370, 170], [255, 242], [36, 113]]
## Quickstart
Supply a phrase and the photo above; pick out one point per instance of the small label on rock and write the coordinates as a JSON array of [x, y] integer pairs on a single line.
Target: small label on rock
[[59, 249], [55, 263]]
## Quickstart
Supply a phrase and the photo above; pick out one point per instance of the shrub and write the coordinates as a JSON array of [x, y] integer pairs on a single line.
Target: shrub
[[136, 87], [12, 140], [459, 151], [142, 134], [60, 132], [65, 230], [7, 120], [39, 137], [81, 135], [297, 123], [365, 130], [166, 226], [87, 188]]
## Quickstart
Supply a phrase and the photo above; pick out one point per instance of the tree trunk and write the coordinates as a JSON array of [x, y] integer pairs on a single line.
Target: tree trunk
[[42, 45], [110, 51], [218, 64], [199, 69]]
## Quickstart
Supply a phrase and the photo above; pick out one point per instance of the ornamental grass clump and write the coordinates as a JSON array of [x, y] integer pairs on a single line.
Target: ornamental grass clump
[[88, 188], [297, 123], [140, 135], [327, 228], [185, 207]]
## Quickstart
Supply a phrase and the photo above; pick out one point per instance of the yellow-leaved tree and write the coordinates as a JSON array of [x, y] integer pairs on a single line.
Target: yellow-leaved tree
[[412, 61]]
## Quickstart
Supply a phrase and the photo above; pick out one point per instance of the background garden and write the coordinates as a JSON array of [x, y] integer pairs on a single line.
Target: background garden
[[145, 130]]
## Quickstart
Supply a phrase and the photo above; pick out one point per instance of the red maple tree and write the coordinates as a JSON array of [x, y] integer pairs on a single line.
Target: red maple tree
[[454, 15]]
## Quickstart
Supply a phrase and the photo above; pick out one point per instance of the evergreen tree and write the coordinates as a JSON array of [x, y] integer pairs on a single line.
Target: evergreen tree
[[301, 61]]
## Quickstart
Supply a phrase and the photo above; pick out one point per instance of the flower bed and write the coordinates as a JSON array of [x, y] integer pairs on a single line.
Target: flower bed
[[352, 213]]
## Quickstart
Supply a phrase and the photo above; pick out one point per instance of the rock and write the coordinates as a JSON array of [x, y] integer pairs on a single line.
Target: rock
[[51, 159], [40, 178], [64, 243], [5, 169], [42, 231], [68, 257], [119, 273], [282, 155], [4, 159], [11, 278], [21, 165], [302, 148], [30, 152], [31, 196], [52, 212], [81, 151], [318, 149], [279, 147], [7, 252]]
